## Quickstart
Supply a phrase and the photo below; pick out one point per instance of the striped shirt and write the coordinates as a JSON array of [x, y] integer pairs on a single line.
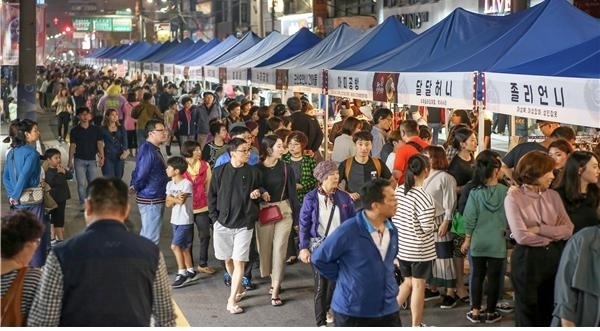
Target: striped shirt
[[30, 285], [414, 219]]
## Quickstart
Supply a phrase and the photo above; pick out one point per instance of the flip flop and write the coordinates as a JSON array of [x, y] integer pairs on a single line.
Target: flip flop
[[234, 309], [276, 302], [271, 290]]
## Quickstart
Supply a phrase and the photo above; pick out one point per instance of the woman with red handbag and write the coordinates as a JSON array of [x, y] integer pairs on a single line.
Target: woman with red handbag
[[279, 210]]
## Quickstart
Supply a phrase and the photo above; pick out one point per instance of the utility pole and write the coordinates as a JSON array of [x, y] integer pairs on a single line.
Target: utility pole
[[26, 104]]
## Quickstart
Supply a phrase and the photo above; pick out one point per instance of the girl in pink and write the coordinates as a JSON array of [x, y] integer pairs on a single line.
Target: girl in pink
[[129, 122]]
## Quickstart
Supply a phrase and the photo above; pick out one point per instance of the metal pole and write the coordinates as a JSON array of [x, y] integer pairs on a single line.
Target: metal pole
[[26, 105]]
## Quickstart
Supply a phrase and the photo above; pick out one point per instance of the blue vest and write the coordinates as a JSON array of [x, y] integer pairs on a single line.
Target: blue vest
[[108, 277]]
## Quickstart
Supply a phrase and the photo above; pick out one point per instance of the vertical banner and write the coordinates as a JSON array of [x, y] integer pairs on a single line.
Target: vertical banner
[[9, 34]]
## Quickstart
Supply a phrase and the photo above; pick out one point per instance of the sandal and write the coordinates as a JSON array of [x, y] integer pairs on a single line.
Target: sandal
[[240, 296], [276, 302], [291, 260], [234, 309]]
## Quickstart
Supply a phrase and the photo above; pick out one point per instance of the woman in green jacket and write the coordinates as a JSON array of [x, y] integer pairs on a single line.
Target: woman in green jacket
[[485, 222]]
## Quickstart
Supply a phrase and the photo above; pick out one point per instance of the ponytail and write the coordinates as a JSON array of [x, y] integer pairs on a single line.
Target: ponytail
[[417, 164]]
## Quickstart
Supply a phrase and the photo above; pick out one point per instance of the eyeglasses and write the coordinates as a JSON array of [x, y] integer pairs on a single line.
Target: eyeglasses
[[245, 151]]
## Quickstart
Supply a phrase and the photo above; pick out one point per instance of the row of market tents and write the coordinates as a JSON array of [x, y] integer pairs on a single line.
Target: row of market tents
[[542, 63]]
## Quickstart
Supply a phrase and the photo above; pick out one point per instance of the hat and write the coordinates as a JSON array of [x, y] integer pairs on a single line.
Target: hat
[[246, 101], [236, 124], [279, 110], [346, 112], [324, 169], [251, 125]]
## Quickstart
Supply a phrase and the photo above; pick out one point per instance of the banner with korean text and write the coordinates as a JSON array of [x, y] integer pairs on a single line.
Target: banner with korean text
[[350, 84], [437, 89], [559, 99], [211, 74], [263, 78], [305, 80]]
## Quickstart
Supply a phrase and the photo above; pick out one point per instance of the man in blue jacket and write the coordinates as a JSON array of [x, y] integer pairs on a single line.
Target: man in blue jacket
[[149, 180], [359, 257]]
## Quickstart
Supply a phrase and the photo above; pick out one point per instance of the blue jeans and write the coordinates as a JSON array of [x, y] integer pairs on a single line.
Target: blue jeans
[[85, 172], [113, 167], [41, 253], [151, 216]]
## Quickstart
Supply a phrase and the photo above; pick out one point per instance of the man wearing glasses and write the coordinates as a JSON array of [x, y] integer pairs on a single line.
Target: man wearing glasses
[[233, 208], [382, 118], [149, 180]]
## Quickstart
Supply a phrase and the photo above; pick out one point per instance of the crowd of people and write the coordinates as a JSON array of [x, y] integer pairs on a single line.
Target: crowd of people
[[386, 223]]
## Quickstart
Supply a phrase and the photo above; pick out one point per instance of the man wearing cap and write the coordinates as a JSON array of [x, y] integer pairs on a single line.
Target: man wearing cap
[[86, 151], [206, 112]]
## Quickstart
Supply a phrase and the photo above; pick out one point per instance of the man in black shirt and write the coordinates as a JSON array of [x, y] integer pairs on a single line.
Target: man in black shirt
[[233, 209], [306, 123], [86, 144]]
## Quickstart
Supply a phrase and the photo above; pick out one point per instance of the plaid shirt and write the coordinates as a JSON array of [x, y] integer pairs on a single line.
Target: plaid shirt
[[307, 180], [46, 308]]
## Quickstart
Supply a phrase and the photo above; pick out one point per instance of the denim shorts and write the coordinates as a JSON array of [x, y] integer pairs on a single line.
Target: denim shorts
[[182, 235]]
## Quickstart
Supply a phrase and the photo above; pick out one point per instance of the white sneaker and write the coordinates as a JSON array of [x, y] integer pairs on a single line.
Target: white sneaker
[[329, 317]]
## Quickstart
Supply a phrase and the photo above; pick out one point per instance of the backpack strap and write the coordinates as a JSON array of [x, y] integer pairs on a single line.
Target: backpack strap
[[415, 145], [377, 163]]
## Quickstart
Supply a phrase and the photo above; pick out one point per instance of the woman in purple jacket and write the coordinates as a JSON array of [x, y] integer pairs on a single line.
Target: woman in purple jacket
[[323, 210]]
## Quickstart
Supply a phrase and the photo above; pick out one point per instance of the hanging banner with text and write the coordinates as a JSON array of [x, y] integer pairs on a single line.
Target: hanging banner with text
[[350, 84], [558, 99], [306, 80], [9, 34], [437, 89]]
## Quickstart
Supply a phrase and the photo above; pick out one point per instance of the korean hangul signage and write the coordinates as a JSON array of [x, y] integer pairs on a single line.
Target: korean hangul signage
[[179, 72], [350, 84], [211, 74], [305, 80], [104, 24], [195, 73], [263, 78], [558, 99], [437, 89], [238, 76]]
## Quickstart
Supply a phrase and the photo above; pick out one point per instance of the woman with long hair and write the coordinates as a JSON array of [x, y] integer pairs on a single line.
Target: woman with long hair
[[461, 168], [115, 145], [578, 189], [129, 122], [442, 187], [559, 150], [63, 108], [485, 225], [540, 225], [22, 170], [323, 210], [414, 220], [272, 238]]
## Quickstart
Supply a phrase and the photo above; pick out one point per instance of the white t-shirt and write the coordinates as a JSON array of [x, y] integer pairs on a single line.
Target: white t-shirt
[[181, 214]]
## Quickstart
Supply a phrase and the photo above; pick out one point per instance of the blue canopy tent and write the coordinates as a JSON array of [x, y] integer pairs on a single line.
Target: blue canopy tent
[[136, 57], [299, 79], [197, 49], [237, 68], [211, 71], [248, 41], [136, 48], [175, 46], [197, 60]]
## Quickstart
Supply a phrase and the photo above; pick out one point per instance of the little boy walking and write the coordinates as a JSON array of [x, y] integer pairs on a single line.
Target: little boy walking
[[179, 191], [56, 177]]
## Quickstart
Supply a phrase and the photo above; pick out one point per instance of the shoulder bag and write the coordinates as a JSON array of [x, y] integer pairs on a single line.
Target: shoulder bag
[[11, 302], [30, 195], [316, 242], [271, 213]]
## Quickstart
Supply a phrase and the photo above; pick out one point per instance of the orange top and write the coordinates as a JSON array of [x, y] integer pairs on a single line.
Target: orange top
[[403, 153]]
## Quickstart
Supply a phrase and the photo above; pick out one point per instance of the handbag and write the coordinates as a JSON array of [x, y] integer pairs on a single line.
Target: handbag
[[317, 241], [458, 224], [29, 195], [11, 302], [271, 213], [49, 202]]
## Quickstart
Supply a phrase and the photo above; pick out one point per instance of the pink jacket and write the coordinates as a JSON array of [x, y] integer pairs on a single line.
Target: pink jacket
[[128, 121]]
